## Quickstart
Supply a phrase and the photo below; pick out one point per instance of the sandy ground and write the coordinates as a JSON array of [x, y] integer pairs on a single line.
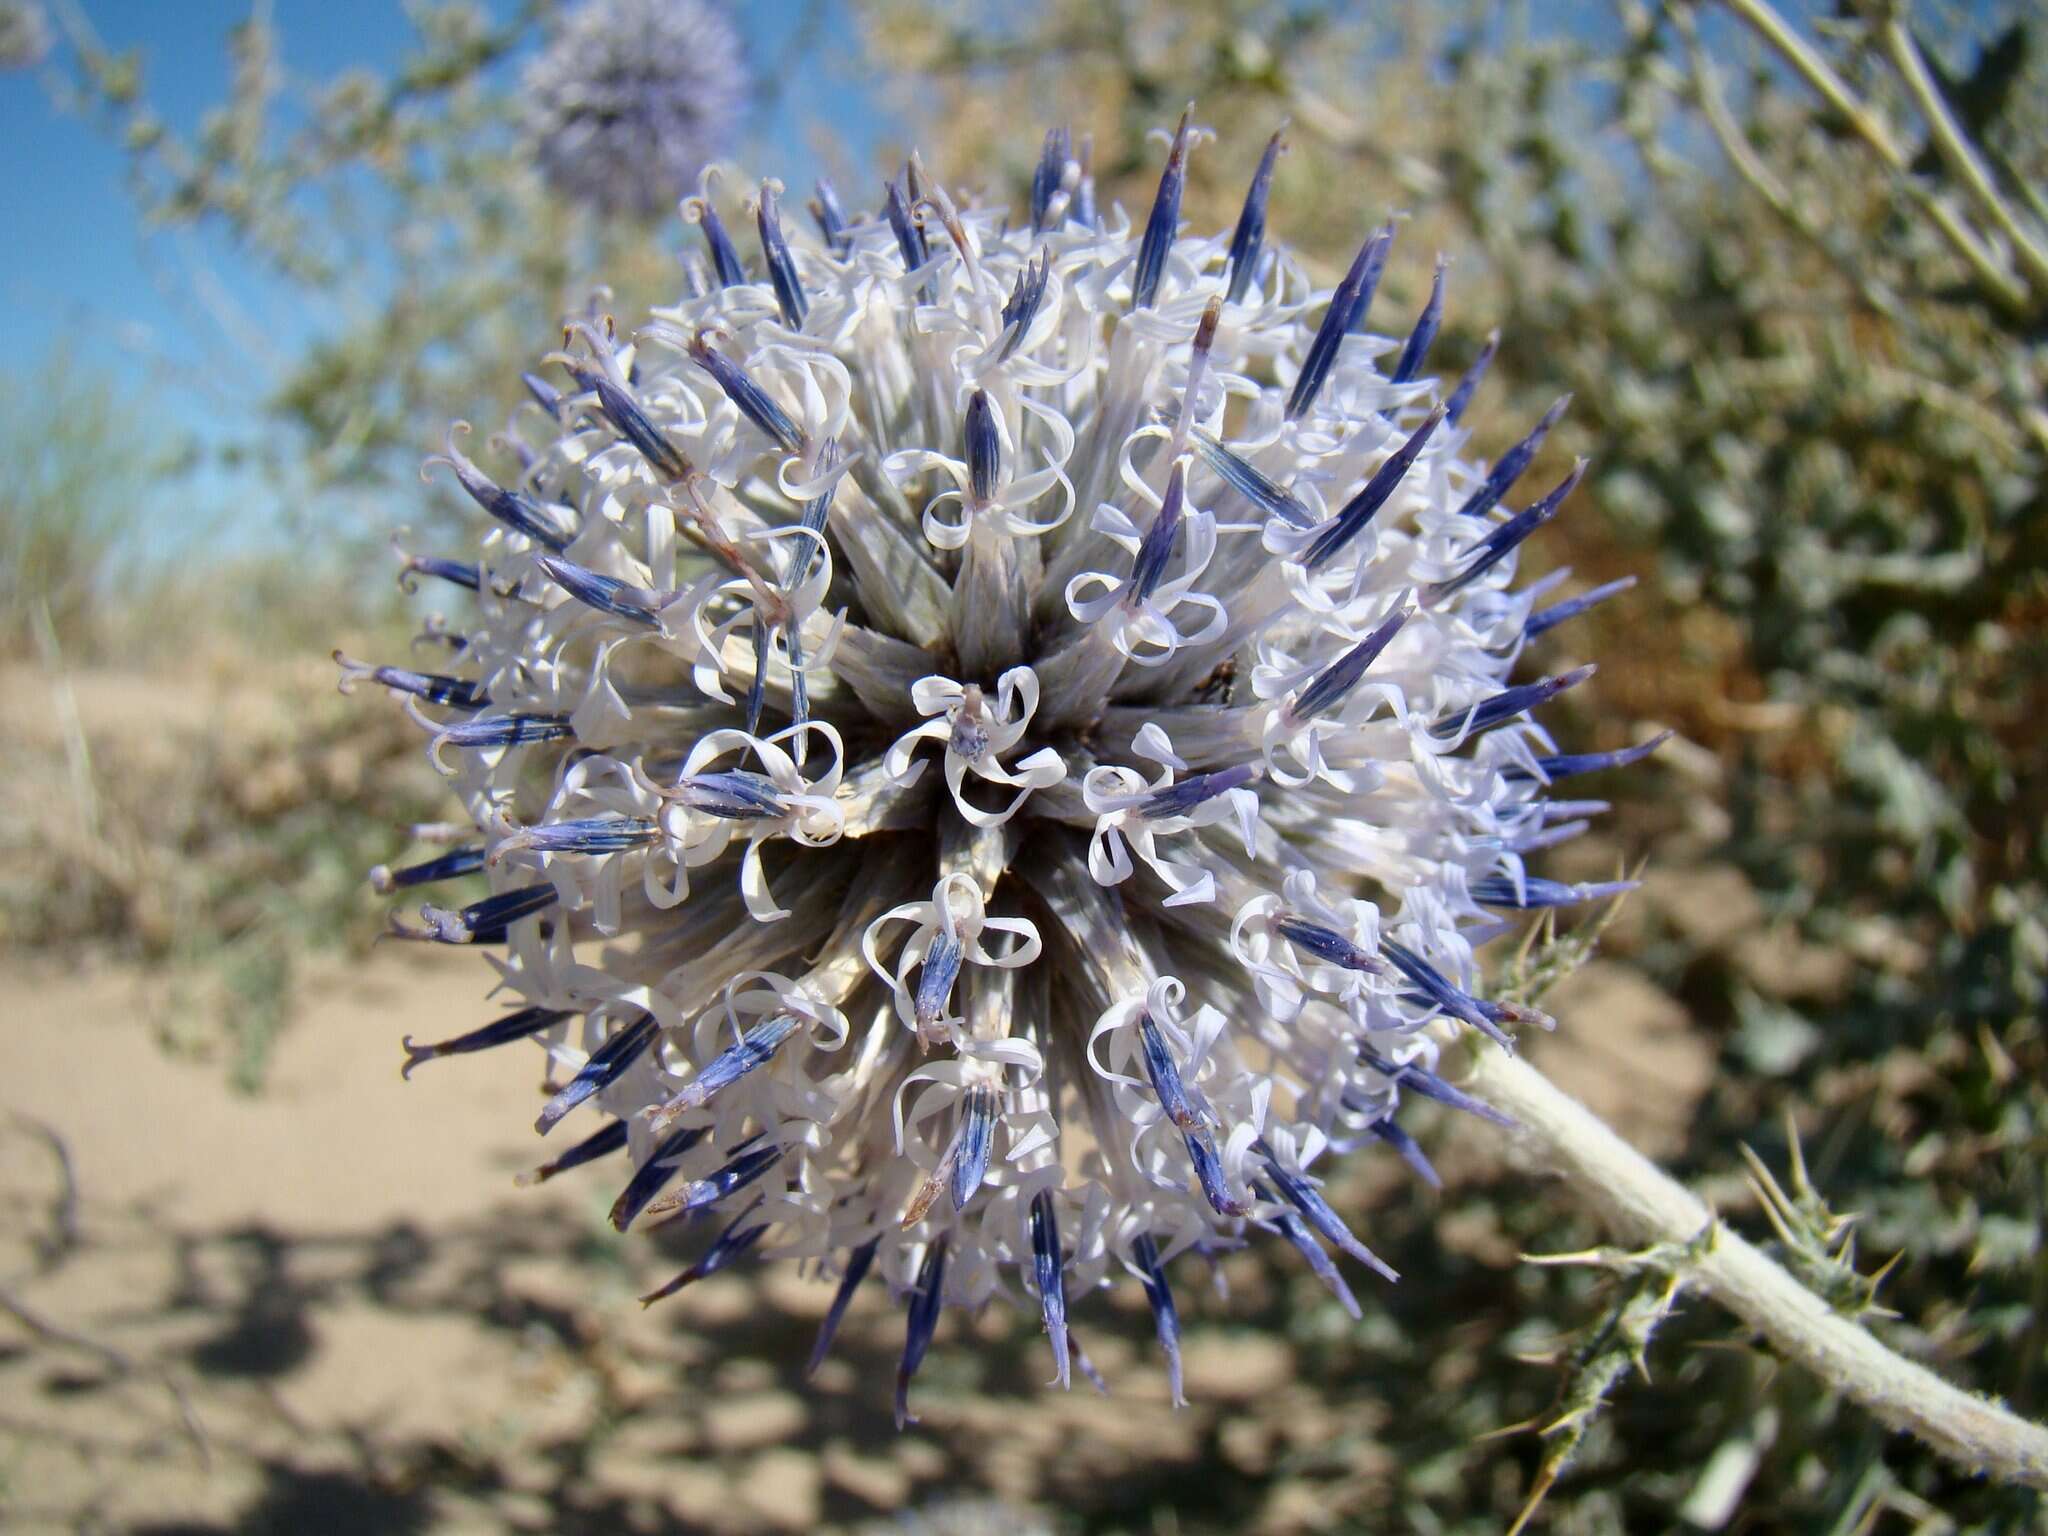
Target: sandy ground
[[372, 1329], [327, 1308]]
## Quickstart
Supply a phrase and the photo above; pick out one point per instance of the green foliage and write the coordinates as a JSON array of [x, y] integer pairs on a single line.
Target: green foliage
[[184, 799], [69, 513]]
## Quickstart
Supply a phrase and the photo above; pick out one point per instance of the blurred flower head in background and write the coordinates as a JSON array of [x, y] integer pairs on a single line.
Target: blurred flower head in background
[[631, 98], [25, 38], [991, 737]]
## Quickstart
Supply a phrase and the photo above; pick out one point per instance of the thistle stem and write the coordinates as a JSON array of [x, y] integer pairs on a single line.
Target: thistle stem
[[1642, 1203], [2007, 290], [1956, 151]]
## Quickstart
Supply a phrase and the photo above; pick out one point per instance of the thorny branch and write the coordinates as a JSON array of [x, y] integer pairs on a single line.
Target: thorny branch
[[1641, 1203], [2018, 293]]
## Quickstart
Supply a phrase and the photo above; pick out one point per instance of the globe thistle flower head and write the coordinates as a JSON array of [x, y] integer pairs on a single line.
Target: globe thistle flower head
[[25, 35], [631, 98], [993, 739]]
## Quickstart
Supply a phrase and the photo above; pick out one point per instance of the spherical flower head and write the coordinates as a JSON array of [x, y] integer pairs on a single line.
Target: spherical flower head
[[992, 740], [631, 98]]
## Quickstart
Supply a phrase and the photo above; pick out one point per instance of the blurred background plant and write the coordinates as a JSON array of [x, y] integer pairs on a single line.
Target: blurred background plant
[[1790, 266]]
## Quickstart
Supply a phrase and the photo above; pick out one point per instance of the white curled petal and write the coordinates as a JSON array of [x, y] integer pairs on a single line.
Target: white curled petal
[[1153, 744], [1191, 884], [1109, 860], [754, 887], [1088, 610], [1027, 948], [1107, 788], [1009, 1052], [935, 695], [1243, 805], [899, 763]]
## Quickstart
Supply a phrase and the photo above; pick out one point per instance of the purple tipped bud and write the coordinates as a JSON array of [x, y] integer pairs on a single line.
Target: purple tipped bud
[[1513, 462], [1148, 566], [1048, 1264], [504, 731], [754, 1049], [754, 402], [858, 1262], [650, 1176], [606, 1065], [831, 218], [1461, 397], [984, 449], [1251, 483], [1325, 944], [921, 1321], [1436, 988], [544, 394], [1509, 703], [1161, 227], [1410, 1150], [586, 835], [592, 1147], [732, 795], [433, 687], [910, 242], [747, 1165], [1180, 799], [1317, 1212], [977, 1133], [734, 1241], [1165, 1074], [607, 594], [1250, 234], [1416, 351], [1049, 178], [636, 427], [522, 1025], [782, 274], [1344, 304], [481, 922], [1183, 1110], [1024, 303], [1565, 765], [1415, 1079], [935, 983], [1362, 508], [1369, 279], [1319, 1263], [549, 526], [1530, 894], [1334, 683], [817, 511], [461, 573], [1165, 1319], [725, 260], [1209, 1174], [1546, 619], [757, 692], [450, 866], [1497, 545]]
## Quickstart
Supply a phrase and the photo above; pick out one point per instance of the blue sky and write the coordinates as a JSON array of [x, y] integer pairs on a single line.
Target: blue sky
[[81, 284], [64, 178]]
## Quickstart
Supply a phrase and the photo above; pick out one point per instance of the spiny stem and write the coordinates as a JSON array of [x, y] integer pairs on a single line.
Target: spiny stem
[[1641, 1203], [1957, 152], [2007, 290]]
